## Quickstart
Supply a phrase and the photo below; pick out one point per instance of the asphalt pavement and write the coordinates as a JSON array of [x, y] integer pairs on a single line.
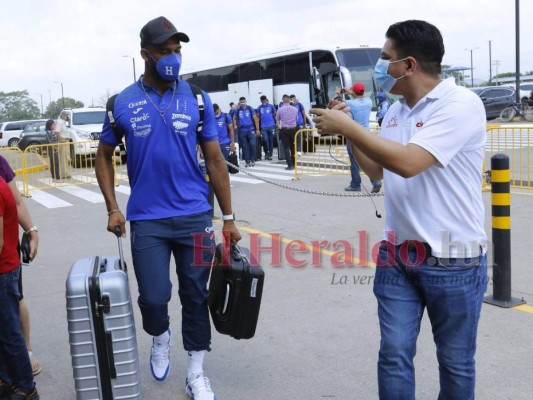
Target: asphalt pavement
[[318, 333]]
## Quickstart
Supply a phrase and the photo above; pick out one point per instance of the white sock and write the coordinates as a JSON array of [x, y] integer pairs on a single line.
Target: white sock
[[196, 362], [162, 339]]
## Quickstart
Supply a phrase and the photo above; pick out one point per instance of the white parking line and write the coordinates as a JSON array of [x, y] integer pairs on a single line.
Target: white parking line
[[234, 178], [48, 200], [82, 193]]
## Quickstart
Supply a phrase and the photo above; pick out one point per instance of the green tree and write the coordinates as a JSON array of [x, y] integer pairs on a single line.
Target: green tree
[[55, 107], [17, 105], [505, 75]]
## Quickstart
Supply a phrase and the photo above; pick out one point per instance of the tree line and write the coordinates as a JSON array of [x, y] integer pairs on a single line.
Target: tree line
[[18, 105]]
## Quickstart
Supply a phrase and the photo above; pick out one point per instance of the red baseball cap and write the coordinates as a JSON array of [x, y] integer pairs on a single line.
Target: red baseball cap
[[358, 88]]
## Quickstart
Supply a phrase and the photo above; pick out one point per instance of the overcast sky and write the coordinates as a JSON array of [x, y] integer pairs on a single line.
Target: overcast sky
[[81, 43]]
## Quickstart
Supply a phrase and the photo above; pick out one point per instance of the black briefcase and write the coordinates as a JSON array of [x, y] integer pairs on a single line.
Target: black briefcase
[[235, 290]]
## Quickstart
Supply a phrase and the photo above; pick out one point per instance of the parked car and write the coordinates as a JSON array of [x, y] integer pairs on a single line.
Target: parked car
[[33, 134], [11, 130], [495, 98], [85, 124], [526, 90]]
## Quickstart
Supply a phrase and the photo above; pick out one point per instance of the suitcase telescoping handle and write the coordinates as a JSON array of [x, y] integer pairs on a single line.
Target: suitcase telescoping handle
[[118, 233]]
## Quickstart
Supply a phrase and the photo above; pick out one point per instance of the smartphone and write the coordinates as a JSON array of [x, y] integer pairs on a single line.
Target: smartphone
[[25, 248]]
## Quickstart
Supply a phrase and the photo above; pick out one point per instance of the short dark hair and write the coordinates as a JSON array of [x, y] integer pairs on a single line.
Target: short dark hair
[[418, 39], [231, 104], [215, 107], [292, 95], [263, 97], [49, 123], [242, 98]]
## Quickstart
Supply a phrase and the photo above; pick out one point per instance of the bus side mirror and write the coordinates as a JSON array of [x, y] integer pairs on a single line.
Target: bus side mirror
[[316, 79], [345, 77]]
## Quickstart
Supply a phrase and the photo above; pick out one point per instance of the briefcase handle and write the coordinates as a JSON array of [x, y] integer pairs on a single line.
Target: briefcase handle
[[238, 254]]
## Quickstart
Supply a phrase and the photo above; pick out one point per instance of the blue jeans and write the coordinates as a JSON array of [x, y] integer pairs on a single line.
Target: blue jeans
[[452, 292], [15, 366], [152, 241], [247, 141], [268, 140], [355, 171]]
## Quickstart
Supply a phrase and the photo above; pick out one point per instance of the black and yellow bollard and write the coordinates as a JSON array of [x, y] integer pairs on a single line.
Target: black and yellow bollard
[[501, 233]]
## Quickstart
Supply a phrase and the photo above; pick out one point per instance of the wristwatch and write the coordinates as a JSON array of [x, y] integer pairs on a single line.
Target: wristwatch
[[32, 229], [229, 217]]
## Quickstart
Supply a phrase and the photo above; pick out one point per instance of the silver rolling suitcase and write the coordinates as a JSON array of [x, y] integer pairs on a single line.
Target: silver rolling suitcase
[[101, 328]]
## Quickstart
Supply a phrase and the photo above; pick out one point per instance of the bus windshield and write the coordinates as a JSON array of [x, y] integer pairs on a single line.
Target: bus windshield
[[360, 62]]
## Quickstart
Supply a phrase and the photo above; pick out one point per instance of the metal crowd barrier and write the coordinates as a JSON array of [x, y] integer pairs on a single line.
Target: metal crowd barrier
[[319, 155], [327, 154], [48, 166], [516, 141]]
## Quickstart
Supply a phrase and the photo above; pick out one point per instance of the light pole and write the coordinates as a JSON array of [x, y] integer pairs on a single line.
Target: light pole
[[42, 110], [490, 62], [472, 64], [62, 96], [517, 26], [496, 64], [133, 60]]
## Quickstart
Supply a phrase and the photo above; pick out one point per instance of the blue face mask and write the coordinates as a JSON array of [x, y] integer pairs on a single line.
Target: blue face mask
[[168, 67], [382, 77]]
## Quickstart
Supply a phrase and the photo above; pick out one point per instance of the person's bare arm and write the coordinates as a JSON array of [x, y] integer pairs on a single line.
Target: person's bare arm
[[25, 220], [219, 178], [106, 180], [405, 160], [231, 136]]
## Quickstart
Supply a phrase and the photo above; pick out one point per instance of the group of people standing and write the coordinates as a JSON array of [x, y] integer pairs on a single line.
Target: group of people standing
[[256, 128]]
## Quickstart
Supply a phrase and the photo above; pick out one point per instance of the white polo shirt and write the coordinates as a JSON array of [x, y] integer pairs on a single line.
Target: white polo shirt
[[443, 205]]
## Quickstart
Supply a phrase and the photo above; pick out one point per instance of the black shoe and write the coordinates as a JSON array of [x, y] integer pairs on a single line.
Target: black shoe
[[352, 189], [20, 394], [289, 168], [5, 390], [376, 188]]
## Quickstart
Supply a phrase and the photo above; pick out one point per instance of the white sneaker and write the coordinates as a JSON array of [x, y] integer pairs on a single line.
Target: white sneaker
[[299, 153], [160, 358], [199, 388]]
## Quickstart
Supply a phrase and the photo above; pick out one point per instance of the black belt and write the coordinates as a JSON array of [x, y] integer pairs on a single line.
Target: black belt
[[429, 258]]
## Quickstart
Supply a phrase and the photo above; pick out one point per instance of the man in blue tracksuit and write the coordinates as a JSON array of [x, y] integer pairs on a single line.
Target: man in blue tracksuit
[[168, 209], [267, 115], [245, 118], [225, 131]]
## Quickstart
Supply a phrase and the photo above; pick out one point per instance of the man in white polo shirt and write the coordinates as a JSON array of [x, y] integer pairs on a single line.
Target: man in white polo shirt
[[430, 154]]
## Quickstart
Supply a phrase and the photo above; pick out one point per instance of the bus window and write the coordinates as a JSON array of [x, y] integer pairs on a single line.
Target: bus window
[[324, 60], [249, 72], [360, 63], [274, 69], [297, 68]]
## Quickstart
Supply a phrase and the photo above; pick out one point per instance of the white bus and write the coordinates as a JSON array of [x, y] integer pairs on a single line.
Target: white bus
[[311, 73]]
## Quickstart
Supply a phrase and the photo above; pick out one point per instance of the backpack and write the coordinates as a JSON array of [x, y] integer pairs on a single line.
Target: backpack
[[110, 108]]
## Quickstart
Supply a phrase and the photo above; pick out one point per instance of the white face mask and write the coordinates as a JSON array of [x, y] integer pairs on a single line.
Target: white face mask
[[382, 77]]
